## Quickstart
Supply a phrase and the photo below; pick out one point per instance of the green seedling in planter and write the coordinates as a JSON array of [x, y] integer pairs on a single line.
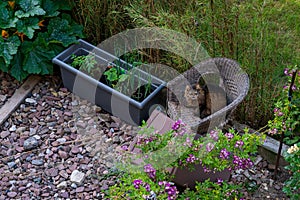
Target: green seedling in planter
[[115, 74], [85, 62]]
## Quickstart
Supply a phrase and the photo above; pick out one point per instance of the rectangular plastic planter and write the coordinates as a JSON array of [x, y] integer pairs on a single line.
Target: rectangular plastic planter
[[109, 99]]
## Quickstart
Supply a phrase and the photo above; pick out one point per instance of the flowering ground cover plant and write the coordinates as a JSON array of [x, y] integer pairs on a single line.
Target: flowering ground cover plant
[[287, 109], [292, 185], [216, 152]]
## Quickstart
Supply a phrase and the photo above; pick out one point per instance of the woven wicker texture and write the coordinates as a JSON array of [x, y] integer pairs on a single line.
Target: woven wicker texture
[[221, 71]]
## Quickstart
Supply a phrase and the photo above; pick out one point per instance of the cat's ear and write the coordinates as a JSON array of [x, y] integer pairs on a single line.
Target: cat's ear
[[198, 87], [187, 88]]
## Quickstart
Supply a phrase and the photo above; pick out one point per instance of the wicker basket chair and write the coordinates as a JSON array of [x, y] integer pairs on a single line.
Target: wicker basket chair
[[222, 71]]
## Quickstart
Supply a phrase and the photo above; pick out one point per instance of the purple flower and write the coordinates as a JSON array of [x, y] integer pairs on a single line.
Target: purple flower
[[125, 148], [273, 131], [242, 163], [150, 171], [147, 187], [224, 154], [276, 110], [279, 113], [191, 159], [285, 87], [169, 188], [294, 87], [137, 183], [209, 147], [229, 136], [286, 71], [239, 143], [219, 181], [214, 135], [176, 125]]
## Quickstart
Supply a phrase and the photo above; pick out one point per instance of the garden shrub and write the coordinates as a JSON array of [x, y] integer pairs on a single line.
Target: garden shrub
[[33, 32]]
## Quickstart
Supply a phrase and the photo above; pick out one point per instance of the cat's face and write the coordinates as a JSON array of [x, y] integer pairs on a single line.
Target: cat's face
[[191, 93]]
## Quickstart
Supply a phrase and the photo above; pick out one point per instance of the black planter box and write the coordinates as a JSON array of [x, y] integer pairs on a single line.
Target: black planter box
[[99, 93]]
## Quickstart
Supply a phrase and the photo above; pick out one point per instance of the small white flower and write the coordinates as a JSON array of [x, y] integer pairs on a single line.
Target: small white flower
[[293, 149]]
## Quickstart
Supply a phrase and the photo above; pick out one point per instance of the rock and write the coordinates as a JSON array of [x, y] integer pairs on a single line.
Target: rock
[[4, 134], [61, 140], [62, 185], [77, 177], [75, 150], [63, 174], [12, 194], [13, 128], [37, 162], [30, 143], [30, 100], [11, 164], [51, 172], [63, 154], [2, 98], [73, 185], [79, 189], [64, 195], [20, 130]]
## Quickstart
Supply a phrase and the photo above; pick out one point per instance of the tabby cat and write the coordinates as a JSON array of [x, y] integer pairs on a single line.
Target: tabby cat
[[205, 100]]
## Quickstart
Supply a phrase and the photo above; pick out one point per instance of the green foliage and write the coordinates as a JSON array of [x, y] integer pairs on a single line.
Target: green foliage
[[206, 150], [292, 185], [33, 32], [84, 62], [287, 113], [208, 190], [139, 183]]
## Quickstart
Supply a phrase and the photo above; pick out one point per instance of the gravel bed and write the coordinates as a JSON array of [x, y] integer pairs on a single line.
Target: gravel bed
[[58, 146], [8, 85]]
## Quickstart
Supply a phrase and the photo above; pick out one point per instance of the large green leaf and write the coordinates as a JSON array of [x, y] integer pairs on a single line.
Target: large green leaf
[[27, 26], [65, 4], [62, 32], [3, 66], [7, 19], [29, 8], [51, 8], [16, 69], [37, 59], [8, 48]]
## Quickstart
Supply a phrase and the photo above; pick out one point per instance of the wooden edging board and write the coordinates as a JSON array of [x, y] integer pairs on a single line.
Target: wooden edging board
[[20, 94]]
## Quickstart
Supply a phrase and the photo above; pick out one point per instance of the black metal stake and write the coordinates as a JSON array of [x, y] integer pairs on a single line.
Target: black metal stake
[[290, 95]]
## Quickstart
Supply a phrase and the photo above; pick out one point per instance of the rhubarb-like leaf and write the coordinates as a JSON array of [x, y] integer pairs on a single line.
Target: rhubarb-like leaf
[[29, 8], [27, 26], [7, 19], [8, 48], [51, 8], [16, 69], [3, 66], [37, 59], [59, 32]]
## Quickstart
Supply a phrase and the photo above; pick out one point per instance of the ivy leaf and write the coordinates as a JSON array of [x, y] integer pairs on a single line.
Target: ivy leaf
[[37, 59], [16, 69], [51, 8], [27, 26], [61, 32], [29, 8], [8, 48], [7, 20]]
